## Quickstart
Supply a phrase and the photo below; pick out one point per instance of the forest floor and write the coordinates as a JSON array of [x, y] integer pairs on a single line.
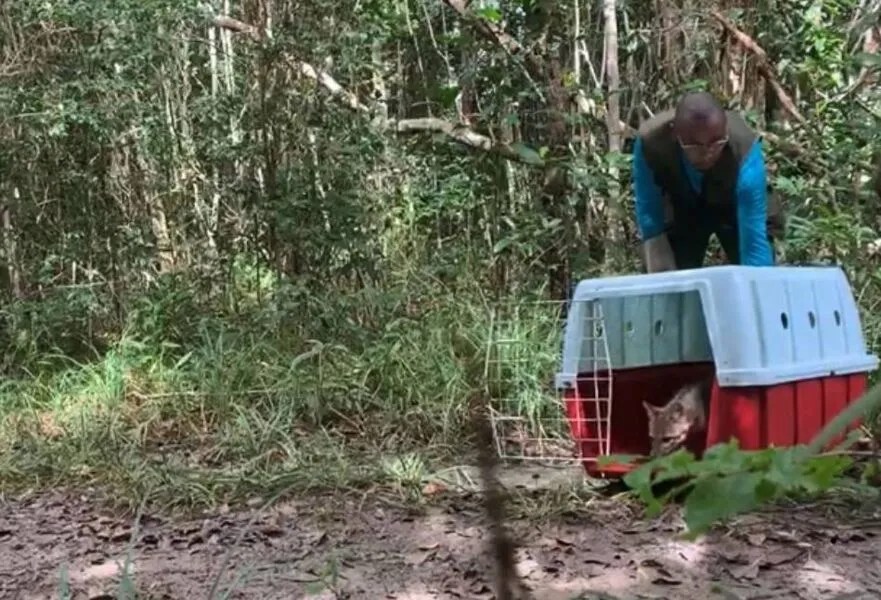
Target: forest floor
[[374, 546]]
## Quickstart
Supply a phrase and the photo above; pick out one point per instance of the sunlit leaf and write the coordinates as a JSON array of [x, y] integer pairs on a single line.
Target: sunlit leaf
[[490, 13], [526, 153]]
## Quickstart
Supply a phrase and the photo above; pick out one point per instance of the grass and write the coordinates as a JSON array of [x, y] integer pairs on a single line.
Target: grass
[[193, 403], [189, 407]]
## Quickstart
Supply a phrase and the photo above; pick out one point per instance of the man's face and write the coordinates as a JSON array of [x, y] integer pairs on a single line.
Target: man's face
[[703, 142]]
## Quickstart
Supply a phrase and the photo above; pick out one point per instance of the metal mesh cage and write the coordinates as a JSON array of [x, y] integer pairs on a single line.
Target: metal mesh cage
[[532, 420]]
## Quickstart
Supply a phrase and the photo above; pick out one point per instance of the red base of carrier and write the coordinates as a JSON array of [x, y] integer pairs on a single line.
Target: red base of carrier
[[758, 417]]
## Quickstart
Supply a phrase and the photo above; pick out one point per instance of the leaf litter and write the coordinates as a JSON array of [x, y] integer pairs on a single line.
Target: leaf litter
[[373, 550]]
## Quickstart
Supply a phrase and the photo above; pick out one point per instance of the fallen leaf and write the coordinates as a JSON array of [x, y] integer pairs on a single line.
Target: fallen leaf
[[781, 557], [527, 567], [783, 536], [756, 539], [847, 536], [317, 538], [666, 580], [733, 556], [749, 571], [657, 572], [272, 531], [121, 536], [563, 542], [418, 558], [106, 570], [658, 575], [433, 488]]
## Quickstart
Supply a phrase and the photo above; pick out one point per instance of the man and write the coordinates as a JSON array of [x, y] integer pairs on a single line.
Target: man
[[699, 170]]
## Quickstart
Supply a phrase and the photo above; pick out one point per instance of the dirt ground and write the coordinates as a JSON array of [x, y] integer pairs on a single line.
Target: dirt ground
[[366, 548]]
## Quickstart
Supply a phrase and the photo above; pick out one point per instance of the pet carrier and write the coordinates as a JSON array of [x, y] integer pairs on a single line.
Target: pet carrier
[[783, 344]]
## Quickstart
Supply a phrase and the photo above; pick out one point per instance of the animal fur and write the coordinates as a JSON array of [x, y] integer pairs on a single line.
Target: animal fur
[[508, 584], [670, 425]]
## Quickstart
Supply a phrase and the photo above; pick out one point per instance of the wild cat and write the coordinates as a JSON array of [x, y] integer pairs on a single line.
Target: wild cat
[[671, 424]]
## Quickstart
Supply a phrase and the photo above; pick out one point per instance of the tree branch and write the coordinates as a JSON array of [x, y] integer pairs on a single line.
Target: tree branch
[[796, 152], [459, 133], [766, 69], [535, 65], [499, 36], [236, 26]]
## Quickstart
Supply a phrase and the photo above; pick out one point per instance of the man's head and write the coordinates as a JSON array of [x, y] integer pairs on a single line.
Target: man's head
[[701, 127]]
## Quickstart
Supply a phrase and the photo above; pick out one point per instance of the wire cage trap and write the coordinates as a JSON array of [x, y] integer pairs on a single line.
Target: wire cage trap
[[532, 420]]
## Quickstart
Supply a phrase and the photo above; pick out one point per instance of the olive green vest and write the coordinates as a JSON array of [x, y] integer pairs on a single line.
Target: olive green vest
[[663, 155]]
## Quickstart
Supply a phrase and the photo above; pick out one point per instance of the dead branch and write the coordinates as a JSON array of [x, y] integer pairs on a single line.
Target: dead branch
[[796, 152], [459, 133], [499, 36], [871, 44], [766, 69], [327, 81], [236, 26], [613, 81], [536, 67]]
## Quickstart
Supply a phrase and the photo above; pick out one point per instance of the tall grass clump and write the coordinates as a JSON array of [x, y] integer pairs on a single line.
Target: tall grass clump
[[200, 401]]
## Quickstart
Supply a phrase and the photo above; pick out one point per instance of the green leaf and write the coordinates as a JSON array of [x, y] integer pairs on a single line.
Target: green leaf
[[490, 13], [785, 471], [527, 154], [502, 244], [696, 85], [867, 59], [714, 498], [640, 477], [675, 466], [316, 587], [640, 481], [823, 471]]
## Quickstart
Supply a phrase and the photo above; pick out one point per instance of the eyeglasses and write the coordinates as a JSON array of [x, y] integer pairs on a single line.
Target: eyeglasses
[[703, 148]]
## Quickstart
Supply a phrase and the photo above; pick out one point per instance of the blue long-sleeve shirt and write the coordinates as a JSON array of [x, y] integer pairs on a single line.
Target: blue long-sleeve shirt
[[752, 207]]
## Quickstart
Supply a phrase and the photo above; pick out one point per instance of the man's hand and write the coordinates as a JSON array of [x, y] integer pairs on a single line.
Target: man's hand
[[658, 254]]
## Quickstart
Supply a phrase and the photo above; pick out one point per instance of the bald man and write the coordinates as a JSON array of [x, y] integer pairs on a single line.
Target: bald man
[[700, 170]]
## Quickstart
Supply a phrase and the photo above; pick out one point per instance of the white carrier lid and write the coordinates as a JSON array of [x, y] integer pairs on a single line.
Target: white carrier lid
[[760, 325]]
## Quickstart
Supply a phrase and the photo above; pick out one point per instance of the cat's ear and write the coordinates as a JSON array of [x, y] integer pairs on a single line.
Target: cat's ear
[[651, 409]]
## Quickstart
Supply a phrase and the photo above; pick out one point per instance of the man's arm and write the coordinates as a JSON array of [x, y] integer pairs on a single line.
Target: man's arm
[[658, 254], [649, 207], [752, 210]]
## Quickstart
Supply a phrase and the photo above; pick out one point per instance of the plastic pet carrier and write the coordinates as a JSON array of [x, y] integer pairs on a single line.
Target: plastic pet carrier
[[783, 344]]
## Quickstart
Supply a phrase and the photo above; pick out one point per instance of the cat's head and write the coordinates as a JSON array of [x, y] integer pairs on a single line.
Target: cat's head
[[668, 427]]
